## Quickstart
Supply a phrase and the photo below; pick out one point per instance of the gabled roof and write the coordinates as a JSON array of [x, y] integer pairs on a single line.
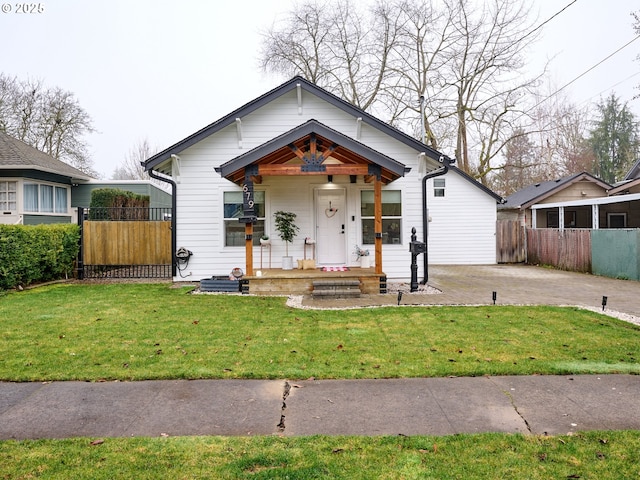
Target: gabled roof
[[330, 144], [295, 83], [623, 187], [634, 173], [537, 192], [475, 183], [17, 155]]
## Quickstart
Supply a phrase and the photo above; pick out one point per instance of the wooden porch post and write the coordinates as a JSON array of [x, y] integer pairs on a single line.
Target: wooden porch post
[[377, 223], [248, 244]]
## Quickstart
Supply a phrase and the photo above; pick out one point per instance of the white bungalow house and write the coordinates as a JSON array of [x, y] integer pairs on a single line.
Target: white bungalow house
[[351, 179]]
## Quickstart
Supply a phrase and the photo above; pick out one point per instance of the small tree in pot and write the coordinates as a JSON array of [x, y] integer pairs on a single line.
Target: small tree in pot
[[287, 229]]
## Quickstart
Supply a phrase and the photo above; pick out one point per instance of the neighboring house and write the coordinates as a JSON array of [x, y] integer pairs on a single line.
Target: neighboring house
[[34, 187], [158, 197], [577, 201], [351, 179], [630, 184], [573, 188]]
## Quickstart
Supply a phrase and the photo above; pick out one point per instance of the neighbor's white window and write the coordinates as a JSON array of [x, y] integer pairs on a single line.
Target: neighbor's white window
[[391, 216], [616, 220], [8, 196], [438, 187], [233, 229], [61, 200], [43, 198]]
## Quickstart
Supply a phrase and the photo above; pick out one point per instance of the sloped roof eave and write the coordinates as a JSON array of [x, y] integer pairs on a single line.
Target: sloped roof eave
[[312, 126], [72, 176], [266, 98], [551, 188]]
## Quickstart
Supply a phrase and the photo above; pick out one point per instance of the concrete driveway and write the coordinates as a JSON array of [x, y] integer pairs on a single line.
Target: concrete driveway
[[513, 284]]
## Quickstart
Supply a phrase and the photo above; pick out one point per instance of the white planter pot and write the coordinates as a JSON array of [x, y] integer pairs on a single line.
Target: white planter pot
[[287, 263], [365, 261]]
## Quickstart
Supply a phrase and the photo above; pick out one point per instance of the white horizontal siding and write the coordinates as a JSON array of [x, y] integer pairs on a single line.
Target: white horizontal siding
[[462, 230], [463, 224]]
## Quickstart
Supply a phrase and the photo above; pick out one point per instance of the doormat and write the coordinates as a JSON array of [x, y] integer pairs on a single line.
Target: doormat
[[335, 269]]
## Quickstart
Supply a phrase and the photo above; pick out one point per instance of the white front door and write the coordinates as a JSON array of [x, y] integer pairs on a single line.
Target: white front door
[[331, 236]]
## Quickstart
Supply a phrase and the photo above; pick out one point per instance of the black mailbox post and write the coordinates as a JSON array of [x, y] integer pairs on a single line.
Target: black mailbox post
[[416, 248]]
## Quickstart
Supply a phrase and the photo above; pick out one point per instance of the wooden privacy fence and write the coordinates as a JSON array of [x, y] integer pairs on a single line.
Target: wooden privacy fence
[[125, 249], [568, 249], [510, 242]]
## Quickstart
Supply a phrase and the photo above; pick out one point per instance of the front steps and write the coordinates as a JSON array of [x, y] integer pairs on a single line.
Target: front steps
[[336, 288]]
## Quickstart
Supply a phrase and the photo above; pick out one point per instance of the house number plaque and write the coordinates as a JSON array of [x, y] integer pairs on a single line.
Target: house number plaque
[[248, 203]]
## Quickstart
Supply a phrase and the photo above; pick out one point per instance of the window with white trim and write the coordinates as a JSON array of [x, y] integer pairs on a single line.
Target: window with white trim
[[44, 198], [8, 196], [438, 187], [233, 229], [616, 220], [391, 217]]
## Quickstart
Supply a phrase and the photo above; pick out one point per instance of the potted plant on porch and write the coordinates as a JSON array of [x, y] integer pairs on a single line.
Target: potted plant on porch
[[287, 229]]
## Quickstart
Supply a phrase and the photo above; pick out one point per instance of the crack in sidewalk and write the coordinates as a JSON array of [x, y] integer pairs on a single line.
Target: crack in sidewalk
[[515, 408], [513, 405], [285, 394]]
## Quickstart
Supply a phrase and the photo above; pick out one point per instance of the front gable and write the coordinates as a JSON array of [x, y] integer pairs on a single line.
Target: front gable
[[301, 99], [312, 149], [572, 187]]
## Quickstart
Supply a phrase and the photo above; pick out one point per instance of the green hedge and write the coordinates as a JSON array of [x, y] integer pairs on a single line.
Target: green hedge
[[116, 204], [37, 253]]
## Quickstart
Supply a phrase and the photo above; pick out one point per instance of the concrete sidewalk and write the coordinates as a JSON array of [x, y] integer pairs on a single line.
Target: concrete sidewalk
[[432, 406]]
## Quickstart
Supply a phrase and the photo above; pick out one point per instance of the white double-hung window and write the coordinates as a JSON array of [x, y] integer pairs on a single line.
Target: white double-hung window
[[391, 216], [234, 230]]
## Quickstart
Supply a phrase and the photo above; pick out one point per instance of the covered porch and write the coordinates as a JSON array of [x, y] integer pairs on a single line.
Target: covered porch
[[312, 149]]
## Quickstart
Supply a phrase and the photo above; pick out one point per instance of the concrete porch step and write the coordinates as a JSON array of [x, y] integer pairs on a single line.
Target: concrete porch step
[[336, 288]]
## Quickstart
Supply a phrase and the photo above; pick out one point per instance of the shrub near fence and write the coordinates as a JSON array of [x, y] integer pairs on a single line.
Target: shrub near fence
[[36, 253]]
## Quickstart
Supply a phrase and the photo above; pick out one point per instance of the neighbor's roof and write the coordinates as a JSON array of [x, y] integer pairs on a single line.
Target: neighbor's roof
[[539, 191], [634, 173], [294, 83], [17, 155]]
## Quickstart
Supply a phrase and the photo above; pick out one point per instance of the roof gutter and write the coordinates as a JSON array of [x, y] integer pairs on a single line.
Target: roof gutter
[[425, 215], [153, 174]]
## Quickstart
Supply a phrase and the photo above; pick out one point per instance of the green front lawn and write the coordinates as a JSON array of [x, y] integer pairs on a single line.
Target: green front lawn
[[142, 331], [135, 332], [590, 455]]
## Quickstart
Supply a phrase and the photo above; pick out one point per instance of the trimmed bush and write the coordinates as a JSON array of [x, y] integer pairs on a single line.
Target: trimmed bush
[[116, 204], [37, 253]]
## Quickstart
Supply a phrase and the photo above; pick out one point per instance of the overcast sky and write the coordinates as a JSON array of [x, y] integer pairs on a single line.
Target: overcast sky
[[162, 70]]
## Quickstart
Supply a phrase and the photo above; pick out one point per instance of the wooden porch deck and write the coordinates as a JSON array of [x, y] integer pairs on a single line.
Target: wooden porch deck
[[275, 281]]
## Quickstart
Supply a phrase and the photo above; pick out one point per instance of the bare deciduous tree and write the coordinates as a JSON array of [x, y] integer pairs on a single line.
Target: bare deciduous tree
[[131, 168], [49, 119], [463, 60]]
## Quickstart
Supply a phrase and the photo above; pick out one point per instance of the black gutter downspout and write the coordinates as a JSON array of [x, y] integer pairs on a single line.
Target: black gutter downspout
[[425, 216], [174, 263]]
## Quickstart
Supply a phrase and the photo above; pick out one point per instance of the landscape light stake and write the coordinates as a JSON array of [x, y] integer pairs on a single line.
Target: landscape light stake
[[399, 297], [494, 295], [604, 302]]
